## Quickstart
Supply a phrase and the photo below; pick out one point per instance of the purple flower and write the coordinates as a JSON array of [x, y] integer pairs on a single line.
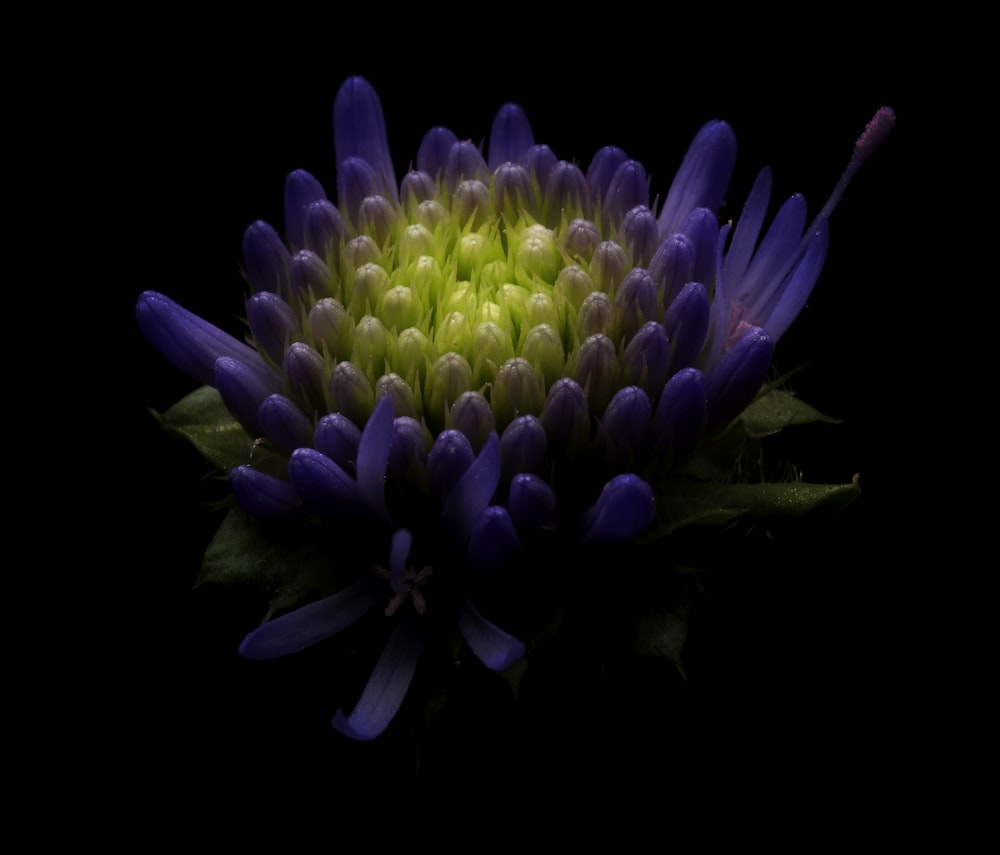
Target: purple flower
[[493, 355]]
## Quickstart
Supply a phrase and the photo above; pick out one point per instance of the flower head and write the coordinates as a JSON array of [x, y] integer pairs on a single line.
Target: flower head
[[498, 353]]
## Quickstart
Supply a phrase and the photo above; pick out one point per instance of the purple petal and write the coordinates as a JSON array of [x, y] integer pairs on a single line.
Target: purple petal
[[602, 169], [493, 539], [242, 391], [301, 189], [510, 135], [188, 342], [264, 496], [326, 489], [465, 162], [703, 176], [623, 511], [737, 379], [284, 423], [359, 131], [312, 623], [273, 324], [800, 284], [473, 491], [531, 502], [748, 227], [386, 688], [494, 647], [266, 258], [679, 418], [373, 457], [686, 323], [432, 155], [628, 187], [338, 437]]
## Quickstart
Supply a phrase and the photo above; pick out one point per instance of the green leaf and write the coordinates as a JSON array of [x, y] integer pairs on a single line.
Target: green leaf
[[775, 410], [242, 553], [203, 420], [685, 503]]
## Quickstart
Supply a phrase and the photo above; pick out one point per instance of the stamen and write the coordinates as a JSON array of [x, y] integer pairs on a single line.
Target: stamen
[[874, 135], [407, 587]]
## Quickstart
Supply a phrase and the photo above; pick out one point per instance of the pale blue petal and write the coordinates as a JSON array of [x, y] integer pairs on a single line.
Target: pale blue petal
[[494, 647], [387, 687], [473, 491], [312, 623], [373, 457]]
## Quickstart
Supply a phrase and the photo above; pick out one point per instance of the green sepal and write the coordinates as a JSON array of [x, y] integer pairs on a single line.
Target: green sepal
[[775, 410], [203, 420], [290, 570], [683, 503]]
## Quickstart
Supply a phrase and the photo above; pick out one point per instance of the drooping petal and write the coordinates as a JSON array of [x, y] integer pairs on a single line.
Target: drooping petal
[[624, 510], [359, 131], [387, 687], [495, 648], [312, 623]]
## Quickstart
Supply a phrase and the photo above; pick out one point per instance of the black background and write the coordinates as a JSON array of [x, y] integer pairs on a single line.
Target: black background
[[786, 672]]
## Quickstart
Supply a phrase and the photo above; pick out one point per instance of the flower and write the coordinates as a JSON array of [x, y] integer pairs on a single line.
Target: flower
[[498, 356]]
